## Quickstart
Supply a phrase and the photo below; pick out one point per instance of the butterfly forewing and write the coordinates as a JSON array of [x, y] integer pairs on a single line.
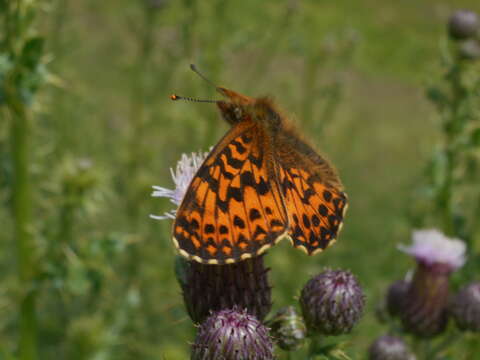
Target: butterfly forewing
[[233, 208]]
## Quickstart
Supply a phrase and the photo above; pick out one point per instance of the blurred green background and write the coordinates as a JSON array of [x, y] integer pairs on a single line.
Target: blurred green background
[[352, 74]]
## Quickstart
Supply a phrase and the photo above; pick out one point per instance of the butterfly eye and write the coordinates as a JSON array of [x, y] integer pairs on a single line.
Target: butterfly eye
[[238, 112]]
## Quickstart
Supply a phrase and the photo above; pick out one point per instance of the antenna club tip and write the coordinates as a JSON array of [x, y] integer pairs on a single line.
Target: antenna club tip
[[173, 97]]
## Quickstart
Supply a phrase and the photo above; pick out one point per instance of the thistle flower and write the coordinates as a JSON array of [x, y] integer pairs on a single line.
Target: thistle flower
[[183, 175], [332, 302], [463, 24], [232, 335], [465, 308], [209, 288], [389, 347], [424, 310], [288, 328], [396, 293]]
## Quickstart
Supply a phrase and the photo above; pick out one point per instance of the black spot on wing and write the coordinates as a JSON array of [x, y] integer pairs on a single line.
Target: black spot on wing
[[222, 204], [246, 138], [306, 221], [322, 209], [223, 229], [209, 229], [327, 195], [247, 179], [239, 146], [307, 195], [254, 214], [275, 223], [262, 187], [238, 222], [231, 160], [235, 193], [257, 161], [258, 231]]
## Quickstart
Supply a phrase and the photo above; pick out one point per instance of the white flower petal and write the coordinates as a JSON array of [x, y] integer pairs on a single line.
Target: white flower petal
[[184, 172], [431, 246]]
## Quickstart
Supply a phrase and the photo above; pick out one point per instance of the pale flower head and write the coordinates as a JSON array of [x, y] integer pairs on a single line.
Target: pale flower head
[[431, 247], [187, 167]]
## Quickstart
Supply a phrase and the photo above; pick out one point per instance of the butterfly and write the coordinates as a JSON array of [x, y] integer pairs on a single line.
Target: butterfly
[[260, 183]]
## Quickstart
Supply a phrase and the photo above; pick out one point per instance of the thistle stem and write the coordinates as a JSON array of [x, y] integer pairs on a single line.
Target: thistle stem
[[18, 17], [453, 128], [21, 201]]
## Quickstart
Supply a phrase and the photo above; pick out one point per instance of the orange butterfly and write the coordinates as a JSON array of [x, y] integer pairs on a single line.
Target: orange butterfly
[[258, 184]]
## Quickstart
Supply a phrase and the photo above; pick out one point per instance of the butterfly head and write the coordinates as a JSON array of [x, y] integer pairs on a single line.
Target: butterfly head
[[238, 108]]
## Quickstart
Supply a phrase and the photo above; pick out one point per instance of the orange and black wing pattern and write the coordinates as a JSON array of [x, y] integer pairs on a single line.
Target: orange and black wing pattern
[[313, 196], [233, 208]]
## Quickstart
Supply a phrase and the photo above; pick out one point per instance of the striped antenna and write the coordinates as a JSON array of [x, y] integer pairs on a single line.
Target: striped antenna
[[175, 97]]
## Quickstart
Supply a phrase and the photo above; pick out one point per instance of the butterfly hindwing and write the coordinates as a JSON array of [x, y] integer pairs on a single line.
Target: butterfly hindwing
[[313, 197], [233, 207]]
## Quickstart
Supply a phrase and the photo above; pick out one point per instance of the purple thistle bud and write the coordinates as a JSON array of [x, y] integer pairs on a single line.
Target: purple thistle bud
[[389, 347], [396, 294], [208, 288], [232, 335], [465, 308], [288, 329], [425, 305], [463, 24], [332, 302]]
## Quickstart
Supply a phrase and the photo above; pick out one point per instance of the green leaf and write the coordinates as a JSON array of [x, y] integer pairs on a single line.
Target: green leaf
[[32, 52], [475, 137]]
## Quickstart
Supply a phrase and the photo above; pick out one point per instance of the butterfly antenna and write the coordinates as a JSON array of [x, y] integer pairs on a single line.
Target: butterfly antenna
[[195, 70], [175, 97]]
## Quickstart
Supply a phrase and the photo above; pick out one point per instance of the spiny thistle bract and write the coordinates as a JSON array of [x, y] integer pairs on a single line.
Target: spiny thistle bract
[[465, 308], [288, 328], [209, 288], [232, 335], [332, 302]]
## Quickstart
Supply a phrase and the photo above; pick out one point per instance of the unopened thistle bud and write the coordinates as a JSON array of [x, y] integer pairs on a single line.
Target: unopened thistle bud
[[465, 308], [463, 24], [395, 296], [332, 302], [288, 329], [243, 285], [425, 306], [232, 335], [388, 347]]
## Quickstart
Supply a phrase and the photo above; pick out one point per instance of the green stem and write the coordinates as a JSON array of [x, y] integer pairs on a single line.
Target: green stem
[[18, 19], [453, 129], [315, 346], [21, 200], [447, 341]]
